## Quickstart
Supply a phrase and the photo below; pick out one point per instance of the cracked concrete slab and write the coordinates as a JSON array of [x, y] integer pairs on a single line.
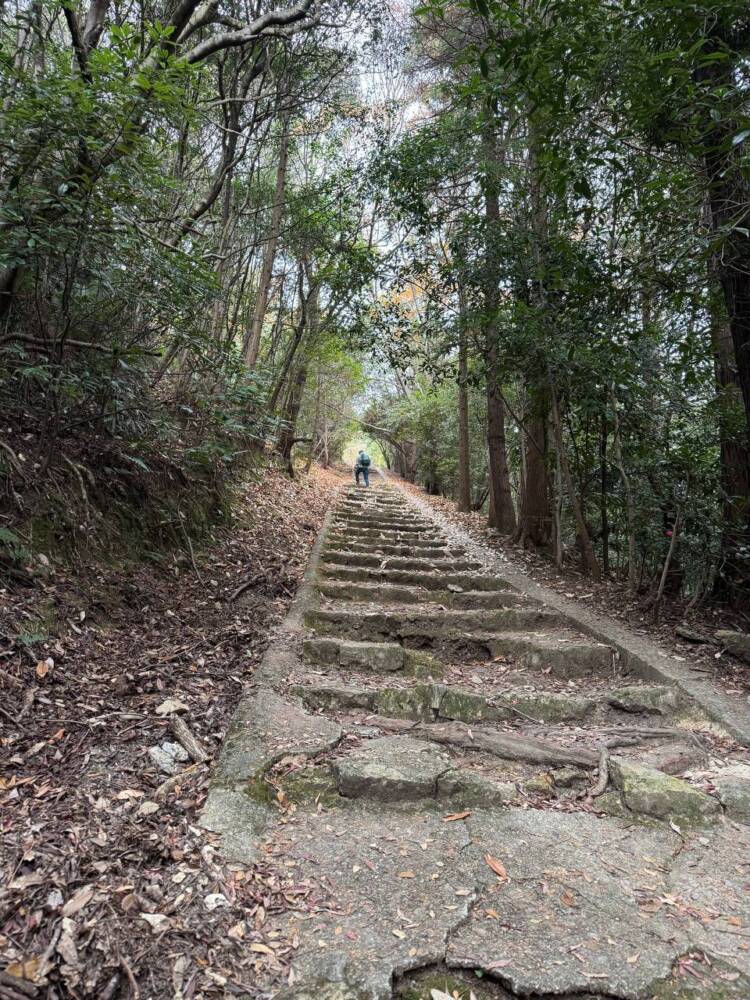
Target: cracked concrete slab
[[437, 857]]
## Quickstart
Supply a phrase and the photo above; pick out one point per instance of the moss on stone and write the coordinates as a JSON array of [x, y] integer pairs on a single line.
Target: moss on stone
[[312, 784], [259, 790], [419, 986], [406, 703], [422, 665]]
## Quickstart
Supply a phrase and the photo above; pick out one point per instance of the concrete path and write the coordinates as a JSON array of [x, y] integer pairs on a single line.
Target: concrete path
[[486, 802]]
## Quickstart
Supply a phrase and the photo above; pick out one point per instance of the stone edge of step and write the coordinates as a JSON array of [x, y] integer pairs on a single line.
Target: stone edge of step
[[641, 657], [228, 810]]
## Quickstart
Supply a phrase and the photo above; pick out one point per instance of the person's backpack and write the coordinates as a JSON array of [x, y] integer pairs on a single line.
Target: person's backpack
[[364, 460]]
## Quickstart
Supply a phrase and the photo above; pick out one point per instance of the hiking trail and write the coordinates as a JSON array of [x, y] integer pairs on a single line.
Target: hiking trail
[[487, 797]]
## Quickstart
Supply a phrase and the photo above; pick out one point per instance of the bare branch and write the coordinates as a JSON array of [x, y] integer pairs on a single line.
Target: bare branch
[[261, 25]]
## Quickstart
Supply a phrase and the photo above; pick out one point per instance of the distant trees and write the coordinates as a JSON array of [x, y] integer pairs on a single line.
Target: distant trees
[[593, 222]]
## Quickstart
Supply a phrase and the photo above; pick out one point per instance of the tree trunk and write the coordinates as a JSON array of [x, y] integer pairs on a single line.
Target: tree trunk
[[590, 562], [501, 513], [251, 347], [732, 583], [291, 412], [604, 488], [464, 456], [534, 510], [627, 490], [728, 187]]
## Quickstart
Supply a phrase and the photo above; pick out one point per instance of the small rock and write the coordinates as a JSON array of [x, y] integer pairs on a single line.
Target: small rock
[[733, 786], [566, 777], [215, 901], [465, 788], [171, 705], [168, 756], [157, 921], [540, 784], [690, 636], [391, 769]]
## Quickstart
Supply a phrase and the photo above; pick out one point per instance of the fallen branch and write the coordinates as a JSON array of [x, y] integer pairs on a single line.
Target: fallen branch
[[182, 731], [506, 745], [176, 779], [18, 986], [246, 585]]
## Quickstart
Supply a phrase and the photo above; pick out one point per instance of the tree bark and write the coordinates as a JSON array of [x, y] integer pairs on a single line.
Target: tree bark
[[501, 513], [464, 455], [534, 508], [627, 490], [251, 347], [728, 187], [590, 562], [732, 583]]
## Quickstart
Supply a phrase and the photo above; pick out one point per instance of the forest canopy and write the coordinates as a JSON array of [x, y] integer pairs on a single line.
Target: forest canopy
[[506, 243]]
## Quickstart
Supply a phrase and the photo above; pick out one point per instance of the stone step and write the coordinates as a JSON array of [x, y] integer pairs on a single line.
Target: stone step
[[560, 655], [348, 558], [388, 534], [439, 702], [383, 521], [393, 594], [429, 581], [427, 552], [385, 625], [336, 538], [370, 657]]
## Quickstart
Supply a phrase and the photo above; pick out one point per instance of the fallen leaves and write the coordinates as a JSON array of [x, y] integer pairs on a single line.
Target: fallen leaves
[[99, 843], [78, 900], [43, 667], [157, 921], [453, 817], [497, 866]]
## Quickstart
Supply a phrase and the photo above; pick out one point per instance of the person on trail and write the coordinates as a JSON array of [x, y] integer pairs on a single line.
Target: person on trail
[[362, 467]]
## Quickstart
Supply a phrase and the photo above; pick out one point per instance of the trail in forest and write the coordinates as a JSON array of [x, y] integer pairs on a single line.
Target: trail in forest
[[446, 778]]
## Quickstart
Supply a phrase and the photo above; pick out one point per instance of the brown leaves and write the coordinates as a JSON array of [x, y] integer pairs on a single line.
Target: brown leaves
[[78, 900], [43, 667], [452, 817], [497, 866]]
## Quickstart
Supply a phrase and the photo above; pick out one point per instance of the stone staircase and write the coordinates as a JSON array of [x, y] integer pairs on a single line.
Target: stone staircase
[[478, 787]]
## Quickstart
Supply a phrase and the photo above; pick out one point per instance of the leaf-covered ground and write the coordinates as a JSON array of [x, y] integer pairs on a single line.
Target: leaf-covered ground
[[100, 859]]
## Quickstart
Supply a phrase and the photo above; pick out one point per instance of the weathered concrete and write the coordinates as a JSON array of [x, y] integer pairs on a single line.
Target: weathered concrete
[[733, 786], [392, 769], [658, 699], [432, 850], [662, 796]]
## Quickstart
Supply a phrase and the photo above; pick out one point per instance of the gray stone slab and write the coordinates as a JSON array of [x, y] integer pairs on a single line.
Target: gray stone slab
[[391, 769], [567, 919], [265, 728], [650, 792]]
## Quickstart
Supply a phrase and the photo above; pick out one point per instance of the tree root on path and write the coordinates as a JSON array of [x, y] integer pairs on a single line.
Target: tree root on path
[[506, 745], [603, 780]]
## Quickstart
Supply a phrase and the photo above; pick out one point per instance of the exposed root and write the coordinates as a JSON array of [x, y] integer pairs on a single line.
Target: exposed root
[[509, 746], [603, 780]]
